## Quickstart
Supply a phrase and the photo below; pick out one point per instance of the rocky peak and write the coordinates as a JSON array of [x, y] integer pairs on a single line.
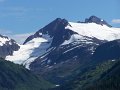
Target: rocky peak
[[95, 19], [54, 29], [7, 46]]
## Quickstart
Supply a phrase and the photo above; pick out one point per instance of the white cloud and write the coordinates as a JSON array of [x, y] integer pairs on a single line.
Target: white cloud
[[5, 32], [116, 21], [20, 38]]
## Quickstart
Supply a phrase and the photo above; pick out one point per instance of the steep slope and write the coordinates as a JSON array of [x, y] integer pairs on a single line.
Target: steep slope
[[7, 46], [88, 77], [55, 29], [15, 77], [61, 48], [106, 51], [109, 80], [102, 73]]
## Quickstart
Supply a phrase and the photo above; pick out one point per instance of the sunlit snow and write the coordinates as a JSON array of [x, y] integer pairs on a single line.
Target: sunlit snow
[[30, 51], [94, 30]]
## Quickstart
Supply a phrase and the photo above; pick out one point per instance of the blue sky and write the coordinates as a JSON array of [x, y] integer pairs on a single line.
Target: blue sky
[[21, 17]]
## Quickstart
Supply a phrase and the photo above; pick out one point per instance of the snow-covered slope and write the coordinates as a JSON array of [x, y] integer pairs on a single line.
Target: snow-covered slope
[[93, 30], [60, 33], [30, 51]]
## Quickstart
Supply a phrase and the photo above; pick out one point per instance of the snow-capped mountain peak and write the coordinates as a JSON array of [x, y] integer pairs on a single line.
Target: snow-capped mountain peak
[[61, 36], [50, 30]]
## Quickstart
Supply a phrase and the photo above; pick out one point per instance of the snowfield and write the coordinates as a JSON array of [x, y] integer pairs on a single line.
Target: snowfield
[[95, 30], [30, 51]]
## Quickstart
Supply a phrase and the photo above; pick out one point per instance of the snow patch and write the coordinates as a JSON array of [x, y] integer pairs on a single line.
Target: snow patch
[[113, 60], [71, 49], [3, 41], [74, 37], [57, 85]]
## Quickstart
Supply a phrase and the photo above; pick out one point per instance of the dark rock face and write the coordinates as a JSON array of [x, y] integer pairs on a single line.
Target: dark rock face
[[55, 29], [107, 51], [8, 47], [94, 19]]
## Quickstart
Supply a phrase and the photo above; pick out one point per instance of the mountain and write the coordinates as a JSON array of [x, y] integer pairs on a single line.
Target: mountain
[[16, 77], [7, 46], [102, 73], [60, 50]]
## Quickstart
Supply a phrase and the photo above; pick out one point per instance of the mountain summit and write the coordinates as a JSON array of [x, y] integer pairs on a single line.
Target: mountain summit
[[95, 19], [55, 29]]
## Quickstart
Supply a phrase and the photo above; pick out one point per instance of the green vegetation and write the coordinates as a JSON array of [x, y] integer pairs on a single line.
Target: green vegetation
[[16, 77], [109, 80], [92, 74], [87, 78]]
